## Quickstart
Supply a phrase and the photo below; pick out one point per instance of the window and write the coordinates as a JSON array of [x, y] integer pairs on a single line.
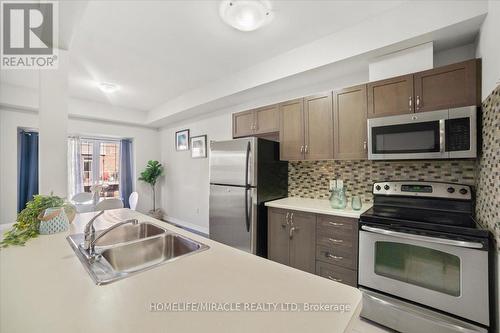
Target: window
[[101, 165]]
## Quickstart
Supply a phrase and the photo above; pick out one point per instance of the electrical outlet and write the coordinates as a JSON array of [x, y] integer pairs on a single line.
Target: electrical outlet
[[197, 211]]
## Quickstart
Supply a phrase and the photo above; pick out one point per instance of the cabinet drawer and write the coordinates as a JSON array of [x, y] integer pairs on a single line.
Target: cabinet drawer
[[336, 239], [337, 273], [334, 225], [338, 255]]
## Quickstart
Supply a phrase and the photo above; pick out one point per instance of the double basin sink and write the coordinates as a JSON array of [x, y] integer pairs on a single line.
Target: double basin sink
[[132, 248]]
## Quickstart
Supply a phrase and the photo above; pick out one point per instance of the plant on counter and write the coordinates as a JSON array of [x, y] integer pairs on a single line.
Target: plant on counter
[[27, 225], [154, 170]]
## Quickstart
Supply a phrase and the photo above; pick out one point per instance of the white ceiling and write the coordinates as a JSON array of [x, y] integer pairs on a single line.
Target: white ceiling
[[158, 50]]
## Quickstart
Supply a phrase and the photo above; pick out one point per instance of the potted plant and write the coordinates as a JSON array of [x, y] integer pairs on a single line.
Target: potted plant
[[154, 170], [28, 222]]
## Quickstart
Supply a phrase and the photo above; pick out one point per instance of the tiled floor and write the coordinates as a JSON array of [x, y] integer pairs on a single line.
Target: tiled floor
[[364, 326]]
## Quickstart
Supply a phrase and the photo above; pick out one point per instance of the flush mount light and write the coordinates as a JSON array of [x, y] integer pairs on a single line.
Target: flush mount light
[[107, 87], [246, 15]]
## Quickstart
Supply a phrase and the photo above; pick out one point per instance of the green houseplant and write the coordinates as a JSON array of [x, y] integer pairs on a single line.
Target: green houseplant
[[150, 175], [27, 225]]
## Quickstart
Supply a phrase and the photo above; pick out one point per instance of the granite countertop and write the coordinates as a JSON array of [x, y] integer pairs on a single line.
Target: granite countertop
[[45, 288], [319, 206]]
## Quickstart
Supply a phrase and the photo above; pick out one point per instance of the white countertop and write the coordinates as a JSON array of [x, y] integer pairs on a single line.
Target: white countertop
[[319, 206], [45, 288]]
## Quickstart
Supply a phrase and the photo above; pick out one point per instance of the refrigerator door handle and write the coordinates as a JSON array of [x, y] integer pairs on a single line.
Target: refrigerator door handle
[[247, 165], [247, 206]]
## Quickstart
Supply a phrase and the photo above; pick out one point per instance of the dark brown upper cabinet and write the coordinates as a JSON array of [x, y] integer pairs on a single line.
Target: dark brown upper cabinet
[[243, 123], [449, 86], [349, 119], [263, 120], [292, 130], [306, 128], [439, 88], [390, 97], [318, 125]]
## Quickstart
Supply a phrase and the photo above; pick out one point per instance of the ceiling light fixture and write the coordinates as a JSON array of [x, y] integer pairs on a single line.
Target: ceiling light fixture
[[107, 87], [246, 15]]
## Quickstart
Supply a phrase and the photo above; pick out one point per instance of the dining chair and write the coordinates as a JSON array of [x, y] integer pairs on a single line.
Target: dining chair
[[133, 199], [106, 204], [82, 197]]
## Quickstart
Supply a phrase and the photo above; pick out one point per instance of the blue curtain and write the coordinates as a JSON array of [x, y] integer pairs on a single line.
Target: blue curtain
[[27, 181], [125, 171]]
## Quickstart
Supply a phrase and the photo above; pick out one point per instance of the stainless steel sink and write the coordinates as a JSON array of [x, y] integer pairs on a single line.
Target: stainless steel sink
[[131, 249], [134, 256], [129, 232]]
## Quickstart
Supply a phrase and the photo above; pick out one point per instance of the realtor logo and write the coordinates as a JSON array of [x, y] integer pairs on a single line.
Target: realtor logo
[[29, 30]]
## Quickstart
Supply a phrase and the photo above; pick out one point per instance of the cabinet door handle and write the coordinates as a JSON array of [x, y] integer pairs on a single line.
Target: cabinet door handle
[[292, 229], [409, 103], [334, 279], [418, 102], [301, 149], [336, 224], [286, 219], [305, 149], [336, 241], [334, 257], [365, 145], [291, 219]]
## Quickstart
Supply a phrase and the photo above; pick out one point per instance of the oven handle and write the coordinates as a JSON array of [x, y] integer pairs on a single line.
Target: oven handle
[[452, 242]]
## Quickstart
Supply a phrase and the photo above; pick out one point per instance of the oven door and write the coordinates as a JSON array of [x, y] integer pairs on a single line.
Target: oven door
[[412, 136], [445, 274]]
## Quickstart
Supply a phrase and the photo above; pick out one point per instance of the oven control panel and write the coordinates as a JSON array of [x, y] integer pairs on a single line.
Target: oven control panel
[[423, 189]]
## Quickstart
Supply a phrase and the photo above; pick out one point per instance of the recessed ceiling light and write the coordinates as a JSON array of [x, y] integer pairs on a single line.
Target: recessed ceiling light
[[246, 15], [107, 87]]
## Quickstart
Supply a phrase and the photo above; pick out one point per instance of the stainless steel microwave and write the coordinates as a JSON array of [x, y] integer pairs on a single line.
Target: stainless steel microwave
[[450, 133]]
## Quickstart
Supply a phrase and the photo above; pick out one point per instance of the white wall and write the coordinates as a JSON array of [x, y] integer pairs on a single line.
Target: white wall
[[53, 128], [488, 48], [146, 147], [456, 54], [186, 187], [414, 59]]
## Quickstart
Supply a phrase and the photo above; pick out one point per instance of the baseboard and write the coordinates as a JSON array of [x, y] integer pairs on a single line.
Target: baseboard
[[185, 224]]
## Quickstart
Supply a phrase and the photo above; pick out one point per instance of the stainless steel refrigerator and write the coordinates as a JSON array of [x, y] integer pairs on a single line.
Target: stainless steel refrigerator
[[244, 174]]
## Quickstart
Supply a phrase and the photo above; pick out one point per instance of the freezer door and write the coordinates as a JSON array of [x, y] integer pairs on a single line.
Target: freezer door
[[232, 216], [233, 162]]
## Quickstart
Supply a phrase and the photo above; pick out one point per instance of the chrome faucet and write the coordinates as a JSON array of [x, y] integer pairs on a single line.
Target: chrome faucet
[[90, 238]]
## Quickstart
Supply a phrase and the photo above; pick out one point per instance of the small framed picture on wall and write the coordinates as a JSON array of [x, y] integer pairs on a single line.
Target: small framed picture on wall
[[199, 146], [182, 140]]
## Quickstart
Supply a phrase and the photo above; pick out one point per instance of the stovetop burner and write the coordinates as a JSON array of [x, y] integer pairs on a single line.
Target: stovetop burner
[[436, 208]]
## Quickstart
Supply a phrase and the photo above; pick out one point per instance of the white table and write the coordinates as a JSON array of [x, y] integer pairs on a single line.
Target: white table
[[88, 206]]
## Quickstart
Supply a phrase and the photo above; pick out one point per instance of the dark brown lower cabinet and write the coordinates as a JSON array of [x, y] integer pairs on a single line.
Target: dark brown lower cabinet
[[302, 233], [292, 238], [337, 249], [322, 244], [337, 273], [278, 238]]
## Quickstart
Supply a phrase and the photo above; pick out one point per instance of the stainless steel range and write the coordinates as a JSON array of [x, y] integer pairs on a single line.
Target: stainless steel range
[[423, 262]]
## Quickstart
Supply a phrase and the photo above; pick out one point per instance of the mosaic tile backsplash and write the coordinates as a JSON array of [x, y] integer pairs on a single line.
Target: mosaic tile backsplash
[[488, 170], [311, 179]]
